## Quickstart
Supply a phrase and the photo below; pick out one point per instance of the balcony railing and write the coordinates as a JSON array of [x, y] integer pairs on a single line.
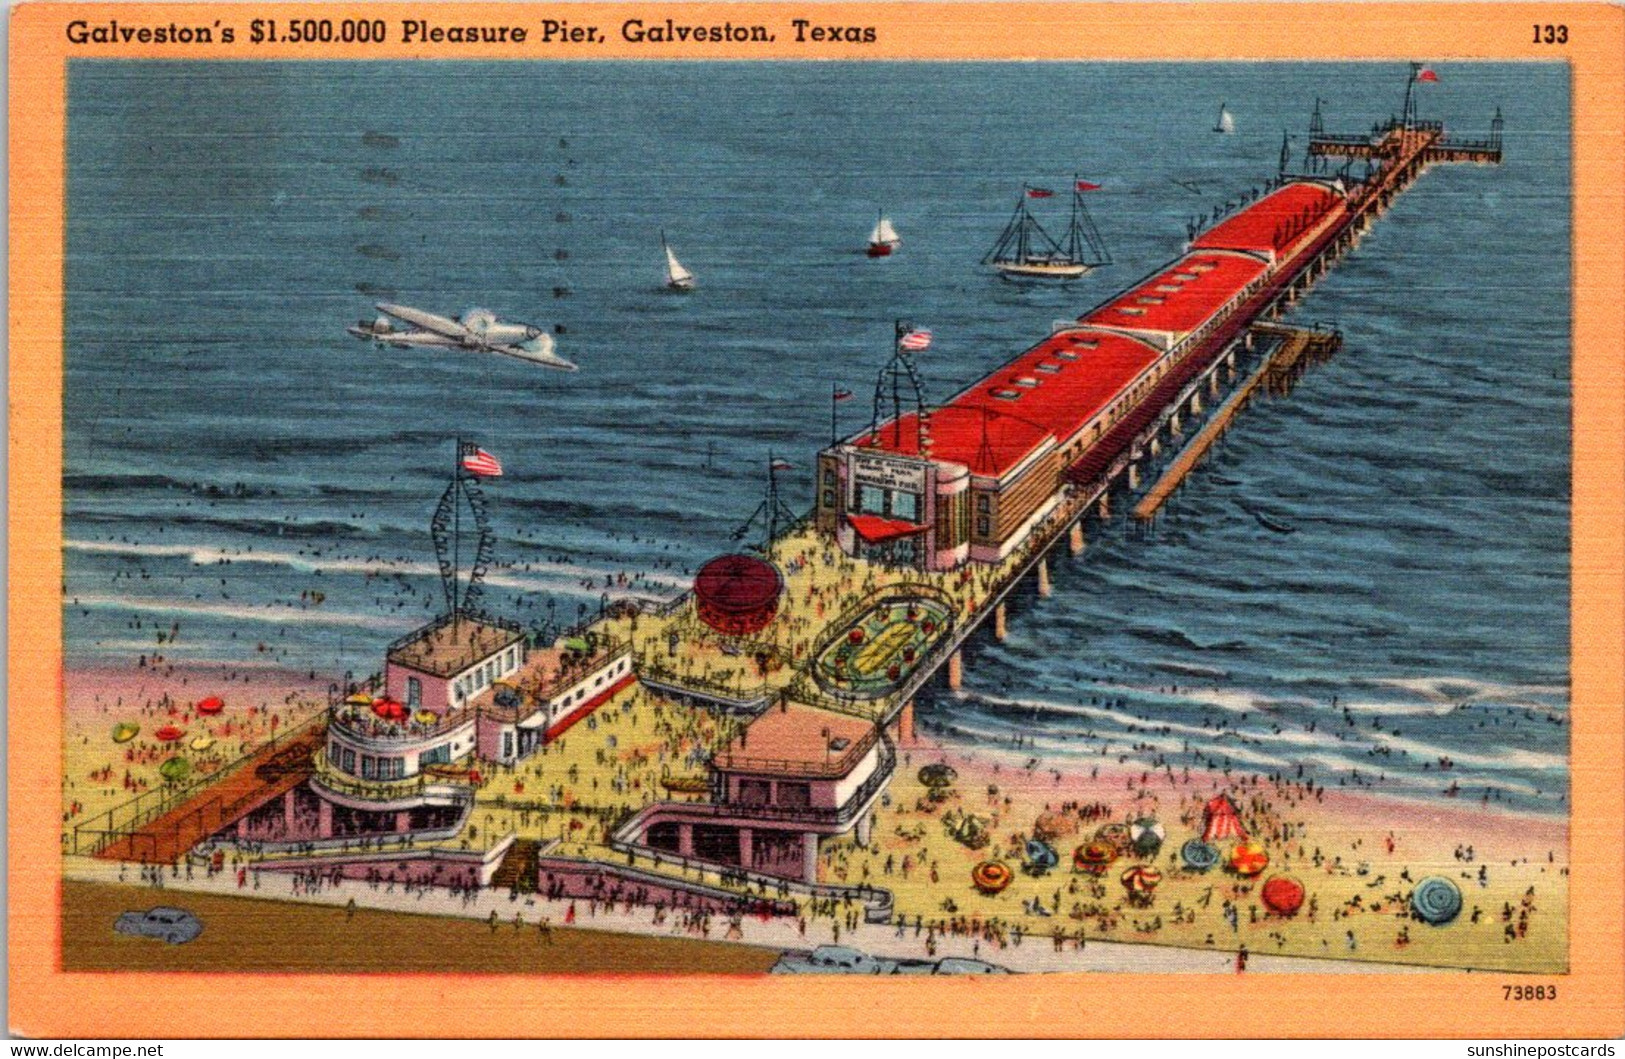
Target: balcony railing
[[360, 725]]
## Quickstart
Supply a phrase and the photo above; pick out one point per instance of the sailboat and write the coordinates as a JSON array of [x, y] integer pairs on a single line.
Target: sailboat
[[677, 277], [884, 239], [1026, 251], [1224, 123]]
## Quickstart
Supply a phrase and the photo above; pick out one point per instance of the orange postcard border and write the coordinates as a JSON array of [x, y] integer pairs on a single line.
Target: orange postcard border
[[47, 1002]]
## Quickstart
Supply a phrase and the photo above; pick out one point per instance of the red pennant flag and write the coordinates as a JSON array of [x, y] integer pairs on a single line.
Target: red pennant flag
[[781, 465], [1039, 193], [1428, 76], [843, 395], [1087, 185]]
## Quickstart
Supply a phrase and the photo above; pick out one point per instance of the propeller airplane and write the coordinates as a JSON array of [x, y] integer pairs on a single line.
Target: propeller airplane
[[478, 331]]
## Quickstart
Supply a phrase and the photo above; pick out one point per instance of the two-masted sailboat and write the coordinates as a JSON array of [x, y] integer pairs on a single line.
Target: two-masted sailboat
[[884, 238], [1224, 123], [1026, 251], [678, 278]]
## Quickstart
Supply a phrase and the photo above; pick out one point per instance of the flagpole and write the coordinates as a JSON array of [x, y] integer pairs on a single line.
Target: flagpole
[[834, 432], [456, 528]]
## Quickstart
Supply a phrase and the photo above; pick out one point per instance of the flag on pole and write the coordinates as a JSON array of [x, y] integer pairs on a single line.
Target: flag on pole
[[841, 394], [1428, 75], [778, 464], [915, 340], [1087, 185], [1039, 193], [478, 462]]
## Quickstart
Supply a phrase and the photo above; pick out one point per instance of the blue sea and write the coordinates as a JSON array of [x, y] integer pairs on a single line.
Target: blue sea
[[243, 475]]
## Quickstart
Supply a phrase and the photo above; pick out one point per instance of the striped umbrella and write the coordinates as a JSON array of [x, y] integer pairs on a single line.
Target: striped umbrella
[[1141, 879], [1221, 821]]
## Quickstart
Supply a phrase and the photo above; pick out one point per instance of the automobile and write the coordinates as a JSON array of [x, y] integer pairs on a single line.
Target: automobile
[[960, 965], [832, 959], [839, 959], [175, 925]]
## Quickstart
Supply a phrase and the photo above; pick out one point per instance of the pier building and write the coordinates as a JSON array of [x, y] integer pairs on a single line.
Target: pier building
[[795, 775], [968, 481]]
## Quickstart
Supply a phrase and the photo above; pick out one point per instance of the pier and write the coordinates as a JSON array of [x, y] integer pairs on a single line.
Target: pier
[[785, 687]]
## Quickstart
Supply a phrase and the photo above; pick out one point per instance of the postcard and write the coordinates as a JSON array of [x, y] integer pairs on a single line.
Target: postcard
[[854, 520]]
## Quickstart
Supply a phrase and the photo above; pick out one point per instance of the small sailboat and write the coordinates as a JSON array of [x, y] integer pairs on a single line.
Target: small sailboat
[[677, 277], [1026, 251], [1224, 123], [884, 239]]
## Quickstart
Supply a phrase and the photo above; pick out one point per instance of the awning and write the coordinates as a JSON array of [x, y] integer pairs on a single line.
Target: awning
[[877, 530]]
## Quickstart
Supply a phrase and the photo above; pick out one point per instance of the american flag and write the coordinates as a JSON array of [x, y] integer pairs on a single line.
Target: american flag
[[478, 462], [915, 340]]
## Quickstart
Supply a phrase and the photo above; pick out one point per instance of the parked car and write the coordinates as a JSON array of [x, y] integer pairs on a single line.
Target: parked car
[[175, 925], [838, 959]]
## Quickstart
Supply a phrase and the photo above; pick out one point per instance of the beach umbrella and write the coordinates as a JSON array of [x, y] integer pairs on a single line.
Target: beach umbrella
[[1118, 836], [1041, 856], [1220, 821], [125, 731], [1140, 879], [1282, 895], [426, 717], [175, 769], [1197, 855], [360, 698], [1054, 825], [1147, 836], [990, 877], [211, 705], [1094, 857], [1436, 900], [1248, 859], [169, 734], [202, 742]]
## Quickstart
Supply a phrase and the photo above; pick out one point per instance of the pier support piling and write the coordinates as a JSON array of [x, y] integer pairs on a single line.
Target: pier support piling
[[1134, 476], [905, 717], [956, 672], [1074, 538], [1043, 578]]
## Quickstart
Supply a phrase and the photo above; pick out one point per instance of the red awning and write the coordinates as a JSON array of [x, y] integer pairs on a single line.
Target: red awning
[[877, 530]]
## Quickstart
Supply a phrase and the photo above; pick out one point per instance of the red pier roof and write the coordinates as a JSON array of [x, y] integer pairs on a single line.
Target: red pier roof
[[1273, 226], [1181, 298], [1048, 392]]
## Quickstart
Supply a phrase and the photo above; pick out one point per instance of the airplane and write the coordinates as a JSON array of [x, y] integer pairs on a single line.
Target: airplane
[[478, 331]]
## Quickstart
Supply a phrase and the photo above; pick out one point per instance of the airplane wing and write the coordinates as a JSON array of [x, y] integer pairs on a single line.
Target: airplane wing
[[545, 357], [440, 325]]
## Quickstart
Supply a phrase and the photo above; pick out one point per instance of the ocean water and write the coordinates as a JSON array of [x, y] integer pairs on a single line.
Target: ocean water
[[243, 475]]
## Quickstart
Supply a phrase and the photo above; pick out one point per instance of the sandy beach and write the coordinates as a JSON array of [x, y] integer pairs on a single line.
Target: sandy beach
[[1357, 854]]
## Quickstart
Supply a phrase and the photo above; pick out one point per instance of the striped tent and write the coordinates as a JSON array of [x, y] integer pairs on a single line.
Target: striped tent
[[1221, 822]]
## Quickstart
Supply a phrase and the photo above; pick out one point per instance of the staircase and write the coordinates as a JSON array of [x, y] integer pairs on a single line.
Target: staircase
[[518, 868]]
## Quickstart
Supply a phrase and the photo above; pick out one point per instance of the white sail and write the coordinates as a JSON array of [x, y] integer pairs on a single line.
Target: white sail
[[676, 274], [1226, 124], [884, 233]]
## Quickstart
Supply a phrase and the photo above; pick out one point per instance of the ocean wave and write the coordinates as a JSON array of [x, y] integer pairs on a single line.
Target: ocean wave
[[280, 615]]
